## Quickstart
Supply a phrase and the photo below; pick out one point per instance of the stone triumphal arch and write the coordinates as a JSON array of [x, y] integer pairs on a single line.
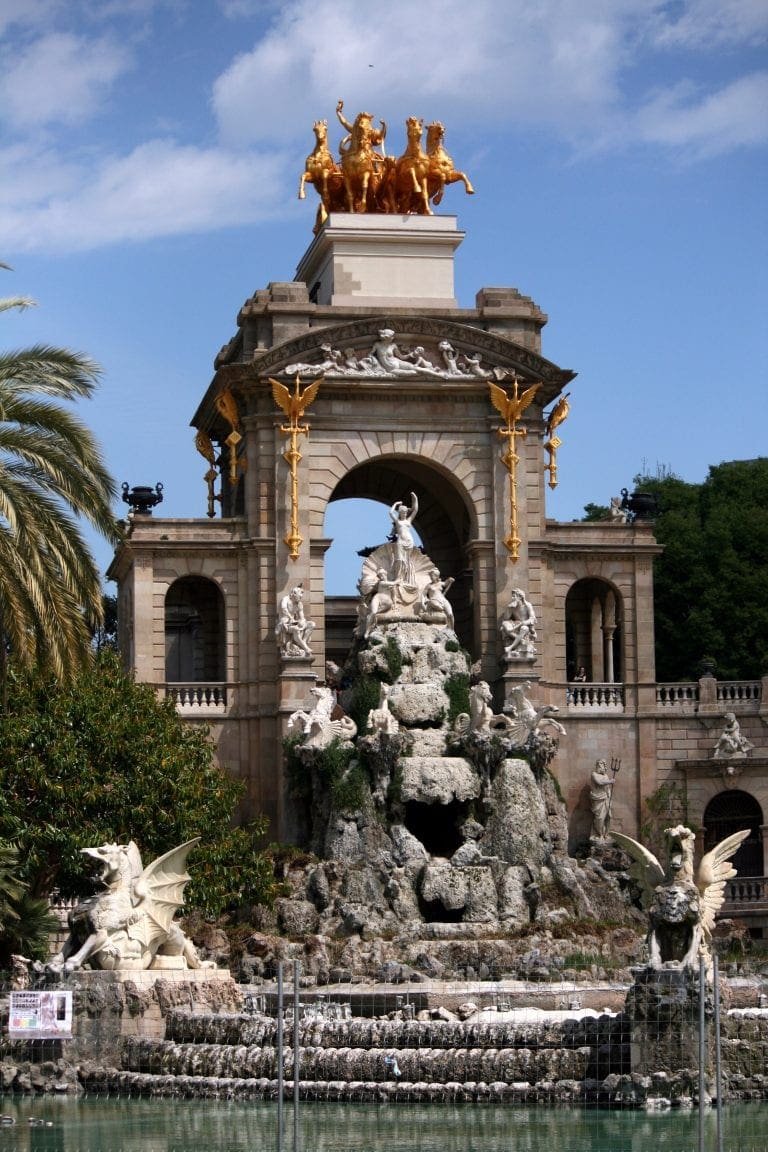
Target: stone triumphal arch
[[363, 377]]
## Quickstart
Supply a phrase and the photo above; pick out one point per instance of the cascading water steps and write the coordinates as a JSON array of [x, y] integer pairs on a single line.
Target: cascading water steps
[[235, 1057]]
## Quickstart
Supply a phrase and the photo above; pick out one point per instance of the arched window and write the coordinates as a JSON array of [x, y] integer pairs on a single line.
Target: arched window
[[593, 631], [194, 632], [357, 515], [729, 812]]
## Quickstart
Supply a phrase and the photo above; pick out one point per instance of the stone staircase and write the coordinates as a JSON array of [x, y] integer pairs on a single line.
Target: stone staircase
[[234, 1057]]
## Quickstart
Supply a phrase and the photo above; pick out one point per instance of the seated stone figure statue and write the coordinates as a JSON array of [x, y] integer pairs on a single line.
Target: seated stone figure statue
[[518, 628], [433, 598], [293, 630]]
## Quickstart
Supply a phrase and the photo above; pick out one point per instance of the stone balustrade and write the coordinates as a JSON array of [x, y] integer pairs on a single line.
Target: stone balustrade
[[685, 696], [199, 698], [731, 695], [746, 894], [730, 692], [677, 695], [595, 696]]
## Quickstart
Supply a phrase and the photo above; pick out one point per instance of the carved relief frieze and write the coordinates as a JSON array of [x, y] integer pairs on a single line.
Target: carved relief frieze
[[448, 351]]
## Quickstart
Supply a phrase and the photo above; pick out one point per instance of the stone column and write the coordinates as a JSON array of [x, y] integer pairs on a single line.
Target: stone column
[[608, 634], [596, 640]]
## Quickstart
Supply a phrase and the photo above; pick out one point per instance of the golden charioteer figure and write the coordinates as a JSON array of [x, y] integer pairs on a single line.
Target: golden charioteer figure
[[365, 179]]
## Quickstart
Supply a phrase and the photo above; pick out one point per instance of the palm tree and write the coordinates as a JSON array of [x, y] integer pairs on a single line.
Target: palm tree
[[51, 473], [26, 922]]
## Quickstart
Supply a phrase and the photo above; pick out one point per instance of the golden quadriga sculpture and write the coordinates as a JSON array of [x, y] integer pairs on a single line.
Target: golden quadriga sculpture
[[365, 179]]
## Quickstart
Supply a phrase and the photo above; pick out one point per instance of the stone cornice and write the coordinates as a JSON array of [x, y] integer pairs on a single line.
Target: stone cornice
[[496, 351]]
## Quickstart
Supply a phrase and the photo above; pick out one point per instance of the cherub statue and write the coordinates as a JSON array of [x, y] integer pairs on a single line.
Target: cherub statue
[[125, 927], [731, 745], [681, 908]]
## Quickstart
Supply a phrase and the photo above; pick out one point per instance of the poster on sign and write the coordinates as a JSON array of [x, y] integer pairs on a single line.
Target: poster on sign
[[40, 1016]]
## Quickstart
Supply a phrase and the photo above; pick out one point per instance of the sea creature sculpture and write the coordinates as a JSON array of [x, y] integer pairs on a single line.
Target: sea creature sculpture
[[681, 908], [527, 718], [323, 723], [130, 925]]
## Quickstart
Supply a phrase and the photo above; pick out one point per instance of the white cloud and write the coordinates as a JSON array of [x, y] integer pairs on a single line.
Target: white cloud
[[544, 63], [57, 79], [574, 67], [25, 13], [599, 74], [704, 125], [160, 189], [704, 24]]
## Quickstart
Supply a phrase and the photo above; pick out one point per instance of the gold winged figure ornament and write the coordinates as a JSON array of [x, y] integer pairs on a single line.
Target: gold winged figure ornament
[[293, 405], [681, 904], [204, 445], [226, 405], [556, 417], [511, 406]]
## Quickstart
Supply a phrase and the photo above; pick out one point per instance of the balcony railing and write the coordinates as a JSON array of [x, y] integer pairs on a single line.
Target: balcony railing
[[738, 691], [746, 894], [594, 696], [687, 695], [200, 698], [677, 695]]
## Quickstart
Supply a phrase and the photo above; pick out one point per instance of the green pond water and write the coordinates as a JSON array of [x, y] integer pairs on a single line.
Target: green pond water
[[136, 1125]]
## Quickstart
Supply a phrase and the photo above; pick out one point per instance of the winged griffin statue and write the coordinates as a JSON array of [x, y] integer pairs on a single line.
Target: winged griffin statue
[[681, 908], [129, 926]]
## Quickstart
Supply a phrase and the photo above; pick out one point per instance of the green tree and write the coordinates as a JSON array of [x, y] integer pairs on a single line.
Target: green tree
[[25, 922], [596, 512], [51, 474], [711, 582], [100, 759]]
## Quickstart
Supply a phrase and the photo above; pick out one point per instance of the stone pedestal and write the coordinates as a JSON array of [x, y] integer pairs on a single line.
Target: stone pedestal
[[663, 1012], [386, 261], [110, 1006]]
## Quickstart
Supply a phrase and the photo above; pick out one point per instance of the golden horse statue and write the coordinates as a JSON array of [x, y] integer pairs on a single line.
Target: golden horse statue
[[362, 168], [441, 169], [321, 169], [412, 172], [365, 179]]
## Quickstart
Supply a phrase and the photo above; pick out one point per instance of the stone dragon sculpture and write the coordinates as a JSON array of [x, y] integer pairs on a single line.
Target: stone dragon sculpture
[[130, 925], [681, 907]]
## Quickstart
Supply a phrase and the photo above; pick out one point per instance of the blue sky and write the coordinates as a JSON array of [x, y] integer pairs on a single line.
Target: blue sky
[[150, 152]]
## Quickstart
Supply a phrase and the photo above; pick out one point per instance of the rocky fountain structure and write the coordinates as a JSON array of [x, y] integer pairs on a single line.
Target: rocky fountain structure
[[433, 820], [435, 852]]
